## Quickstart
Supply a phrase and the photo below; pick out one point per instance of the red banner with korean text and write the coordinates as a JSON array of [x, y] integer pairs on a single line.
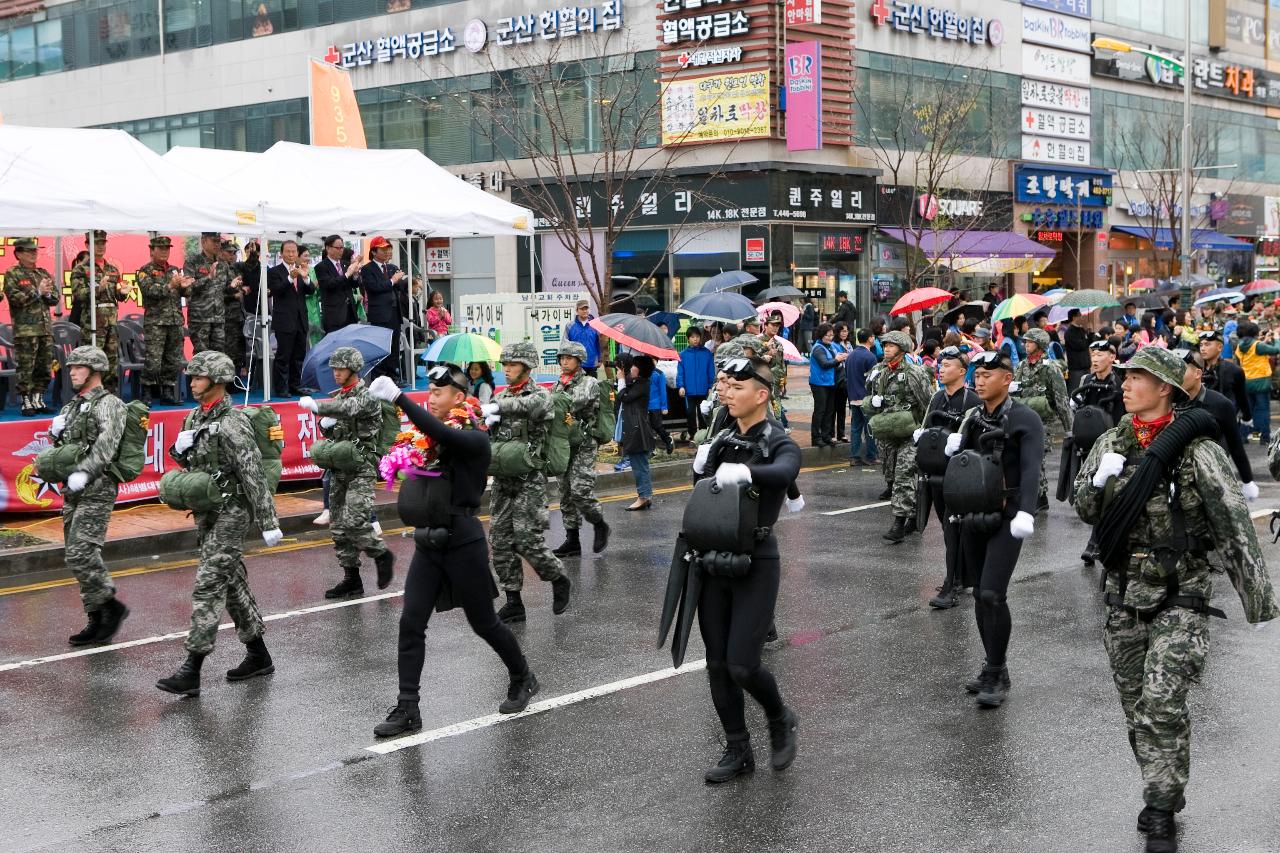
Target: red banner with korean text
[[21, 440]]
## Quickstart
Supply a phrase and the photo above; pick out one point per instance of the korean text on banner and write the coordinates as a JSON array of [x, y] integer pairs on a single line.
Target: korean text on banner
[[716, 108], [804, 96], [335, 116]]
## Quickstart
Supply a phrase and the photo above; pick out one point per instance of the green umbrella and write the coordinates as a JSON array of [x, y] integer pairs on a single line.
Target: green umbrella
[[1088, 299]]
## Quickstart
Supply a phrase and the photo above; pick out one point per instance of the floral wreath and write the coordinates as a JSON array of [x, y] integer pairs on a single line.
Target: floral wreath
[[416, 455]]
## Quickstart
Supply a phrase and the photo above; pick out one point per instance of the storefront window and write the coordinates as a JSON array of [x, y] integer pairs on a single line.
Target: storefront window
[[187, 23], [643, 255], [22, 52]]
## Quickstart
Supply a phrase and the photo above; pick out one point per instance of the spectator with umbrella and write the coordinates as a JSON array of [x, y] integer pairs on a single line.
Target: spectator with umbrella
[[637, 439]]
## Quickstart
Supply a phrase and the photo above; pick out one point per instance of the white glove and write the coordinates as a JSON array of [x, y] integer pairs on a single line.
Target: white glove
[[700, 459], [308, 404], [732, 473], [795, 505], [489, 409], [1073, 404], [1015, 386], [327, 423], [58, 425], [877, 401], [77, 481], [705, 407], [953, 444], [1250, 492], [1110, 465], [185, 439], [272, 537], [490, 420], [1022, 526], [385, 389], [915, 436]]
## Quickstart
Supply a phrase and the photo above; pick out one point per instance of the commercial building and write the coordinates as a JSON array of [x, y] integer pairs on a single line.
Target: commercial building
[[776, 142]]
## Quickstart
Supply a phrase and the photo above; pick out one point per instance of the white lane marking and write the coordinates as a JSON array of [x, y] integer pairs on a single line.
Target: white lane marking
[[389, 746], [858, 508], [178, 635]]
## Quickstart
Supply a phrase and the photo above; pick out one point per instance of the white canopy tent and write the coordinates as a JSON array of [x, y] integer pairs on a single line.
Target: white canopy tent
[[60, 181]]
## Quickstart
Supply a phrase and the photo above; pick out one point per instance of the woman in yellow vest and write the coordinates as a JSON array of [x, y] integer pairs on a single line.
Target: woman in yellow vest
[[1254, 357]]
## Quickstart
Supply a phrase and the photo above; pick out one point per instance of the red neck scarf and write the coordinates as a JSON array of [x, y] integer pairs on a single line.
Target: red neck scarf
[[1034, 358], [566, 378], [519, 386], [350, 384], [1146, 431], [893, 365], [208, 406]]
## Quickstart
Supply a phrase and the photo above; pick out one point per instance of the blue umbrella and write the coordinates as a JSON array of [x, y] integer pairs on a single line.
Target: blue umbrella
[[374, 343], [671, 318], [725, 307], [727, 281]]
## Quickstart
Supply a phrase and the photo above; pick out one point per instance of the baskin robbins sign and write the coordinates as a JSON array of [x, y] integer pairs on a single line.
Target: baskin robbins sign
[[804, 96]]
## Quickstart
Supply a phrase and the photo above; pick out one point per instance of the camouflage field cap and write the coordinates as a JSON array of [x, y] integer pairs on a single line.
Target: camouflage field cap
[[161, 242], [1160, 363], [212, 365], [348, 357], [90, 357], [24, 244], [96, 235], [520, 352]]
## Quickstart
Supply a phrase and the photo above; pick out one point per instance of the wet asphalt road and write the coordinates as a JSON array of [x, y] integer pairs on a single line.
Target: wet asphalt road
[[893, 754]]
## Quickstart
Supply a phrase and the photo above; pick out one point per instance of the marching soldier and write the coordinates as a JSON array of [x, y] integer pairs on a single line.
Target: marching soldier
[[31, 293], [111, 288], [1163, 495], [162, 286], [898, 386], [218, 439], [205, 306], [355, 416], [233, 310], [1042, 387], [518, 418], [577, 486], [94, 422], [777, 366]]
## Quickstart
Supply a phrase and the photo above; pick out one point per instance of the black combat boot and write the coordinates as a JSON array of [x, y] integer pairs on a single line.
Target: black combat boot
[[771, 636], [42, 408], [28, 405], [386, 565], [169, 395], [257, 661], [899, 530], [1042, 505], [401, 719], [1162, 832], [945, 599], [1090, 555], [995, 687], [519, 692], [560, 594], [1144, 816], [887, 493], [910, 527], [738, 759], [85, 637], [185, 681], [513, 610], [782, 737], [148, 394], [348, 586], [975, 684], [113, 613], [571, 546], [601, 539]]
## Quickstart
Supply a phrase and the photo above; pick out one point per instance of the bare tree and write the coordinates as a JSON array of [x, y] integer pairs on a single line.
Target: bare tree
[[934, 138]]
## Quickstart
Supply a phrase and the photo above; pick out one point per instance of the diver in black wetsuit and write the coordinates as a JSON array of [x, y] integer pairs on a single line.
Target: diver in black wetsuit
[[450, 566]]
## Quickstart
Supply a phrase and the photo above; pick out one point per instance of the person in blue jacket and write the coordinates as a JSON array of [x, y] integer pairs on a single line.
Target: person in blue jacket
[[694, 378], [658, 407], [580, 332]]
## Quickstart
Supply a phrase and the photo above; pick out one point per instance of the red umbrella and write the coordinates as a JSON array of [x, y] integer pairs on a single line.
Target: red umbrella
[[920, 299], [1261, 285], [1143, 284], [635, 333]]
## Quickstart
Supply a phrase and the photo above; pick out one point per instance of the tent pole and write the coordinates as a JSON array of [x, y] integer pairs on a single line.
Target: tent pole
[[411, 370], [93, 292], [263, 323]]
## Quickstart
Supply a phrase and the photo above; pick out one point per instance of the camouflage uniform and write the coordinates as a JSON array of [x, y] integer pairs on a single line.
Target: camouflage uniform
[[358, 417], [95, 422], [221, 578], [161, 322], [519, 504], [32, 329], [1043, 378], [205, 304], [904, 386], [578, 485], [108, 280], [1154, 661], [778, 367]]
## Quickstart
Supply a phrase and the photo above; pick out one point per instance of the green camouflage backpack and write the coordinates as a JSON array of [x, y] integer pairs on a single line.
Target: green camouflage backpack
[[390, 427], [269, 436], [131, 455], [557, 447], [606, 414]]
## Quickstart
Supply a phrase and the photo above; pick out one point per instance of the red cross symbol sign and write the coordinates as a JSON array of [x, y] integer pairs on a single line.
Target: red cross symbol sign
[[879, 11], [333, 56]]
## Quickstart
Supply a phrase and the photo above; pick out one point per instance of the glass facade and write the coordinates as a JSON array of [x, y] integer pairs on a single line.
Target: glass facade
[[1158, 17], [255, 127]]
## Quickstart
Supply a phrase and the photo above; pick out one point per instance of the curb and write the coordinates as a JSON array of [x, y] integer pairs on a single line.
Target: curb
[[48, 560]]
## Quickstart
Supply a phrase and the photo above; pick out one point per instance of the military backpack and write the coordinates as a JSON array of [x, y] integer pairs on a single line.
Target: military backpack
[[59, 462]]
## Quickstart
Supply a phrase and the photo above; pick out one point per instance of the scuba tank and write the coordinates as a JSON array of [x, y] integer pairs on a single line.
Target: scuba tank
[[973, 486]]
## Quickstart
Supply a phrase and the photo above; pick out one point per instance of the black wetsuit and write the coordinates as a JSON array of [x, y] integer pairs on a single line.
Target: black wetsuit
[[459, 571], [954, 404], [734, 614], [1106, 394], [995, 555], [1225, 414]]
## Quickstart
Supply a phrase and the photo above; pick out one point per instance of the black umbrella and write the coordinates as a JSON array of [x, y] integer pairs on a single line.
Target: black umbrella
[[782, 291], [731, 280]]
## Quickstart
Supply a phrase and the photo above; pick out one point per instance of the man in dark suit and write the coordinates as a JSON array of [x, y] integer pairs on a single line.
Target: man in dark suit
[[289, 285], [380, 280], [337, 299]]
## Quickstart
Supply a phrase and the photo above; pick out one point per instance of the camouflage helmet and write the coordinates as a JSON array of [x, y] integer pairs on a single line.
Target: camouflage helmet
[[348, 357], [755, 342], [1160, 363], [899, 339], [521, 352], [731, 348], [1039, 337], [212, 365], [574, 349], [90, 357]]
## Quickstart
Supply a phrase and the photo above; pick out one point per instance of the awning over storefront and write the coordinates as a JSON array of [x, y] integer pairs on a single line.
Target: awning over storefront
[[976, 252], [1200, 239]]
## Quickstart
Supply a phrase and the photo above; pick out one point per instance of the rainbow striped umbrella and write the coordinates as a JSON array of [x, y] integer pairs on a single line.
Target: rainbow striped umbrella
[[1018, 305]]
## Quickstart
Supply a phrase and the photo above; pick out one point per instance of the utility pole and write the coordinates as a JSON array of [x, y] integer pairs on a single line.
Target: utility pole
[[1187, 65]]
